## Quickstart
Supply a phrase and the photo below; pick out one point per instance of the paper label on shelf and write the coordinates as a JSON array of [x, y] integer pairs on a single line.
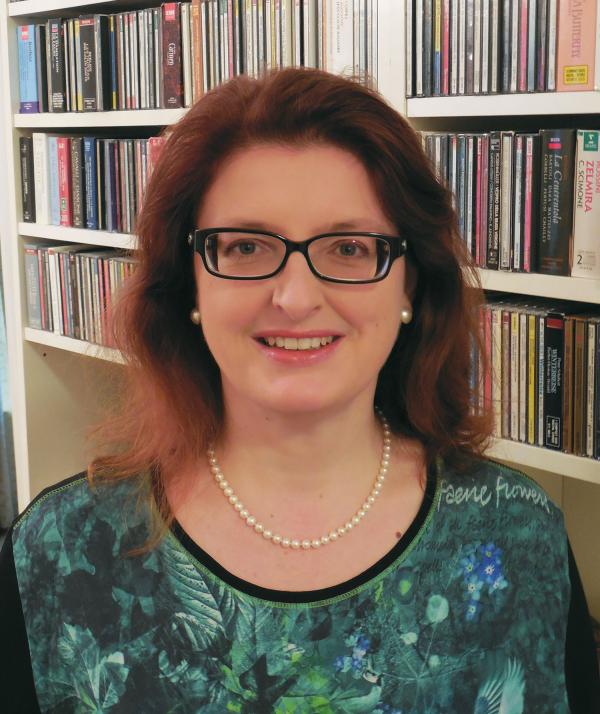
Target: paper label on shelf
[[577, 74]]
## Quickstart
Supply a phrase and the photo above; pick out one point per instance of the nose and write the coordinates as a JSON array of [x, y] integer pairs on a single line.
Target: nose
[[296, 290]]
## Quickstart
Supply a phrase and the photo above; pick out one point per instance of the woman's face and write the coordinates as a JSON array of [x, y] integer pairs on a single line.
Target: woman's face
[[298, 193]]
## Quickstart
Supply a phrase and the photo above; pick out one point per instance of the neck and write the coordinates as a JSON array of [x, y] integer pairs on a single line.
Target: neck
[[301, 455]]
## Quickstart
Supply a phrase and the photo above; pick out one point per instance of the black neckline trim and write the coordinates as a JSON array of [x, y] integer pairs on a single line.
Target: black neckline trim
[[306, 596]]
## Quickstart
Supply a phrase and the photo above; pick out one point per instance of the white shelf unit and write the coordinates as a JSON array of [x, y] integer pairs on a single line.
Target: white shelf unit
[[554, 462], [503, 105], [555, 286], [104, 239], [31, 8], [68, 344], [80, 120], [573, 482]]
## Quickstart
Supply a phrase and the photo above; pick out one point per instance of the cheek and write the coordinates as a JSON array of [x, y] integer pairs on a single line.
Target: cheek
[[378, 312], [224, 310]]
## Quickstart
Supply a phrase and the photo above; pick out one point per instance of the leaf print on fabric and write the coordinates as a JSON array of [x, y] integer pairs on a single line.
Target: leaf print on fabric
[[432, 635], [409, 638], [267, 688], [437, 609], [503, 693], [387, 709], [340, 701], [256, 632], [186, 677], [405, 584], [197, 600], [98, 680]]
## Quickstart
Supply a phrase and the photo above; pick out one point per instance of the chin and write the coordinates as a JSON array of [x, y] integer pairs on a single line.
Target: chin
[[298, 400], [289, 405]]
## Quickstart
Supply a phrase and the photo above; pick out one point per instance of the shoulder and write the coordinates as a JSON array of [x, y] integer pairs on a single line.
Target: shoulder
[[72, 511], [491, 517], [497, 493]]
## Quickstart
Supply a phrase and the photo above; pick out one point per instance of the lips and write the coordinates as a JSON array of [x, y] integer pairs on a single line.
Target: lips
[[293, 343], [301, 356]]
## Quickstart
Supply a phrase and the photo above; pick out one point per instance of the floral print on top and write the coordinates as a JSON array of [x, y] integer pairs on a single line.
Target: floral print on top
[[470, 617]]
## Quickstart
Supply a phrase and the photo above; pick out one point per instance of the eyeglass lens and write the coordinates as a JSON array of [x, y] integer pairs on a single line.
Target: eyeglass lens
[[245, 255]]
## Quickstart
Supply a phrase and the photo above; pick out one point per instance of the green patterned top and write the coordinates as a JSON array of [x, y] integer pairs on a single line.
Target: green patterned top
[[470, 615]]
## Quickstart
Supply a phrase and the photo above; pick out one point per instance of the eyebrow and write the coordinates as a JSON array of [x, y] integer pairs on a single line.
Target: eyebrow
[[357, 224]]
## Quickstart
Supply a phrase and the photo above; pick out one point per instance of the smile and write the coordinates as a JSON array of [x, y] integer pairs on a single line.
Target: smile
[[295, 343]]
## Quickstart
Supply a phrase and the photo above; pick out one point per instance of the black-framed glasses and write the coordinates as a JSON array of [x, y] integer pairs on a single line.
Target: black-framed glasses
[[344, 257]]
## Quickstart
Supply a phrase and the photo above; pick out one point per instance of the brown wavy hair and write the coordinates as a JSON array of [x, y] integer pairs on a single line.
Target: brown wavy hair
[[171, 406]]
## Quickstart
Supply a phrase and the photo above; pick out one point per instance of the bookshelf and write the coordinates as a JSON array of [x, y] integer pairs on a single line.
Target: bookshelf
[[32, 8], [502, 105], [95, 120], [56, 380], [104, 239], [572, 482], [561, 288], [553, 462], [68, 344]]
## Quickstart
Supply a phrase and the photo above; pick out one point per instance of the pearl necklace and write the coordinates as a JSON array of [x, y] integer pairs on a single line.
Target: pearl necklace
[[306, 544]]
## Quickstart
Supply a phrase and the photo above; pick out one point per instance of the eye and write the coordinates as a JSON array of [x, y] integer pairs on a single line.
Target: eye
[[240, 248], [349, 249], [245, 247]]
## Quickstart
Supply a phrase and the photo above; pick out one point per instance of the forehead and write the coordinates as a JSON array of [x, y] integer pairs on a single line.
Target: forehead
[[282, 187]]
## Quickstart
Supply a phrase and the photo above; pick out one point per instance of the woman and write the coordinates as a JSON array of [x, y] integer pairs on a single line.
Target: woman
[[293, 513]]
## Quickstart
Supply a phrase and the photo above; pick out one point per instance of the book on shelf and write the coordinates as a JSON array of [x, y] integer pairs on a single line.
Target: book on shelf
[[27, 178], [55, 65], [53, 180], [521, 207], [77, 182], [543, 384], [63, 146], [71, 288], [36, 317], [509, 46], [586, 219], [28, 69], [557, 159], [95, 79], [169, 56], [578, 49], [86, 181]]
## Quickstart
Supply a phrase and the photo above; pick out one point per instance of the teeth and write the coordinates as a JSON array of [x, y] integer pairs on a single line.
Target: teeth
[[302, 343]]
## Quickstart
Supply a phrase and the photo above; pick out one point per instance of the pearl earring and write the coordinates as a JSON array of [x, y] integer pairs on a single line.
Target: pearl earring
[[195, 316], [406, 315]]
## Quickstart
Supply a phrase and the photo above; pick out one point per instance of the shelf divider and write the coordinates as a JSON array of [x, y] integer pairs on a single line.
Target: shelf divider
[[517, 455], [494, 105], [555, 286], [66, 234], [69, 344], [90, 120]]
